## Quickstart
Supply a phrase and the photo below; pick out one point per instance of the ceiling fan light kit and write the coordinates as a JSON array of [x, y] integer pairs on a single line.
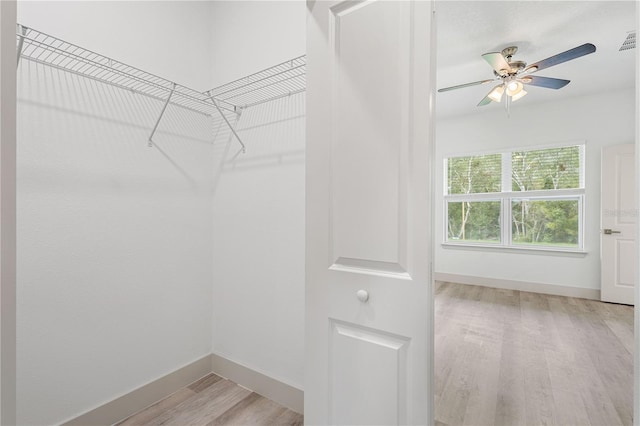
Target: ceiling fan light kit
[[521, 94], [515, 74], [496, 93], [514, 87]]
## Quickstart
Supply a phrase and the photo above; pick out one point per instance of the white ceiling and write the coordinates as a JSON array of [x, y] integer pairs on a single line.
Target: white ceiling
[[540, 29]]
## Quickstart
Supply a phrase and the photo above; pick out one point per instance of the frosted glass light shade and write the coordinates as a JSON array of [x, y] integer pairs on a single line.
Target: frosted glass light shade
[[514, 88], [520, 94], [496, 93]]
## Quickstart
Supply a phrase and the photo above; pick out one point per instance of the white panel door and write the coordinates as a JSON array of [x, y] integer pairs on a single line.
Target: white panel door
[[368, 210], [619, 221]]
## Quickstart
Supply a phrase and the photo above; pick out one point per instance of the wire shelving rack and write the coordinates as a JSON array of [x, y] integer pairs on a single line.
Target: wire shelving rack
[[272, 83], [269, 84]]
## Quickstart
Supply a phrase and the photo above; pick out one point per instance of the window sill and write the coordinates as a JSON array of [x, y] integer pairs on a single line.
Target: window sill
[[549, 251]]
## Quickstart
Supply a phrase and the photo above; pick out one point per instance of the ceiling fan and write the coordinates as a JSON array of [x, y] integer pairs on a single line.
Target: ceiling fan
[[513, 75]]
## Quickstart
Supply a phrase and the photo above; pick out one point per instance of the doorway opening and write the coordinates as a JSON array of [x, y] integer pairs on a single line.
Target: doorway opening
[[520, 332]]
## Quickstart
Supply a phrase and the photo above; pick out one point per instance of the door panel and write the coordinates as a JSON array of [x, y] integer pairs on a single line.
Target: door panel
[[369, 130], [373, 391], [626, 257], [368, 213], [619, 214]]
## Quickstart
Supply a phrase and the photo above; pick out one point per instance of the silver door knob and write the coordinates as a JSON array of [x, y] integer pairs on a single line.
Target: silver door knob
[[363, 295]]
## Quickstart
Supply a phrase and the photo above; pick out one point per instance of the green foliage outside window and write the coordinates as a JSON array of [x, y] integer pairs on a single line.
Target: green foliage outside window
[[545, 222], [554, 168], [474, 221], [474, 175], [541, 219]]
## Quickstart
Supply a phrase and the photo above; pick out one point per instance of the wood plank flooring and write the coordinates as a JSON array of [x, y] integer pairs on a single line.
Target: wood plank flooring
[[506, 357], [213, 400], [503, 357]]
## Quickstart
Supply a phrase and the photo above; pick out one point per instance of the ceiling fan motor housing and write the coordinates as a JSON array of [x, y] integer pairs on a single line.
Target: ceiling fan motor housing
[[514, 66]]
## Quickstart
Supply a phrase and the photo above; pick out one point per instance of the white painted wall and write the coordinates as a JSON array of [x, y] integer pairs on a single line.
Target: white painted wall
[[114, 238], [249, 36], [258, 205], [600, 120], [171, 39], [258, 242]]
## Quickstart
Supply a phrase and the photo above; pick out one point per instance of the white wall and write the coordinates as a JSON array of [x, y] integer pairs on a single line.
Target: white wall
[[258, 209], [258, 242], [114, 238], [600, 120], [171, 39], [249, 36]]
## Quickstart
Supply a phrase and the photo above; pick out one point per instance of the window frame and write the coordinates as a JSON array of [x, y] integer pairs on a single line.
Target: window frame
[[507, 196]]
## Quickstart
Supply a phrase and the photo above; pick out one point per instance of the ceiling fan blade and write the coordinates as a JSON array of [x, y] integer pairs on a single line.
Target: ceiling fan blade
[[460, 86], [570, 54], [485, 101], [497, 62], [549, 83]]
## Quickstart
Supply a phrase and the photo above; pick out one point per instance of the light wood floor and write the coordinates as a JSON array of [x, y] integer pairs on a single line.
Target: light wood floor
[[213, 400], [503, 357], [506, 357]]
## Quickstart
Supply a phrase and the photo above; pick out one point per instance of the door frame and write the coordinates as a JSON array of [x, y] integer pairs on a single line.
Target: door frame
[[636, 309], [8, 85]]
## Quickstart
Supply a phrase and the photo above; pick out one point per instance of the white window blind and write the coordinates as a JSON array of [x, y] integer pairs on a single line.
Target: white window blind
[[520, 198]]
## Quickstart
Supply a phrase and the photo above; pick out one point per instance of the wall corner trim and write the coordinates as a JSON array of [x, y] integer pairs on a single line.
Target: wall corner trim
[[144, 396], [556, 290], [282, 393]]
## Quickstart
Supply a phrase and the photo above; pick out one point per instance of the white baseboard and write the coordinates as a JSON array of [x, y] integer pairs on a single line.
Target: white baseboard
[[557, 290], [139, 399], [282, 393], [134, 401]]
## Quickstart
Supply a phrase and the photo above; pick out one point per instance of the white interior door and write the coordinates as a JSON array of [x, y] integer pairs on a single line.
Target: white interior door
[[619, 220], [368, 210]]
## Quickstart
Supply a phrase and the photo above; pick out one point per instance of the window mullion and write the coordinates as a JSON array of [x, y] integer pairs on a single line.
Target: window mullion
[[506, 220]]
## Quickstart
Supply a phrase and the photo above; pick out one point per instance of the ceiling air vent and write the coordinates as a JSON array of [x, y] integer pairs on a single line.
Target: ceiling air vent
[[630, 42]]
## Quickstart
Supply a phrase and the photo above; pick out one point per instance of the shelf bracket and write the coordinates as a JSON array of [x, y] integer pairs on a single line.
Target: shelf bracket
[[22, 30], [164, 108], [215, 104]]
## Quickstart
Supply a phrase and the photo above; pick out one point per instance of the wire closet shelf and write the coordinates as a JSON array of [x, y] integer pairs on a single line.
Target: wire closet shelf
[[269, 84], [42, 48], [272, 83]]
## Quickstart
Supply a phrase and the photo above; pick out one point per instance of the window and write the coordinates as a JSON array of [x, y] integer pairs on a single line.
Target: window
[[524, 198]]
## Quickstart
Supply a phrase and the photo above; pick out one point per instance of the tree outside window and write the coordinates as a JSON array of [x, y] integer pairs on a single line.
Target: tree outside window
[[540, 191]]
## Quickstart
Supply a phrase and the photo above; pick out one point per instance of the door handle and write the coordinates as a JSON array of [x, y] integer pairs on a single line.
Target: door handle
[[609, 232], [363, 295]]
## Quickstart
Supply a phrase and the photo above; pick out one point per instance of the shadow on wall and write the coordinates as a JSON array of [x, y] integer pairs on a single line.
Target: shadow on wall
[[114, 242], [258, 240], [68, 117], [272, 133]]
